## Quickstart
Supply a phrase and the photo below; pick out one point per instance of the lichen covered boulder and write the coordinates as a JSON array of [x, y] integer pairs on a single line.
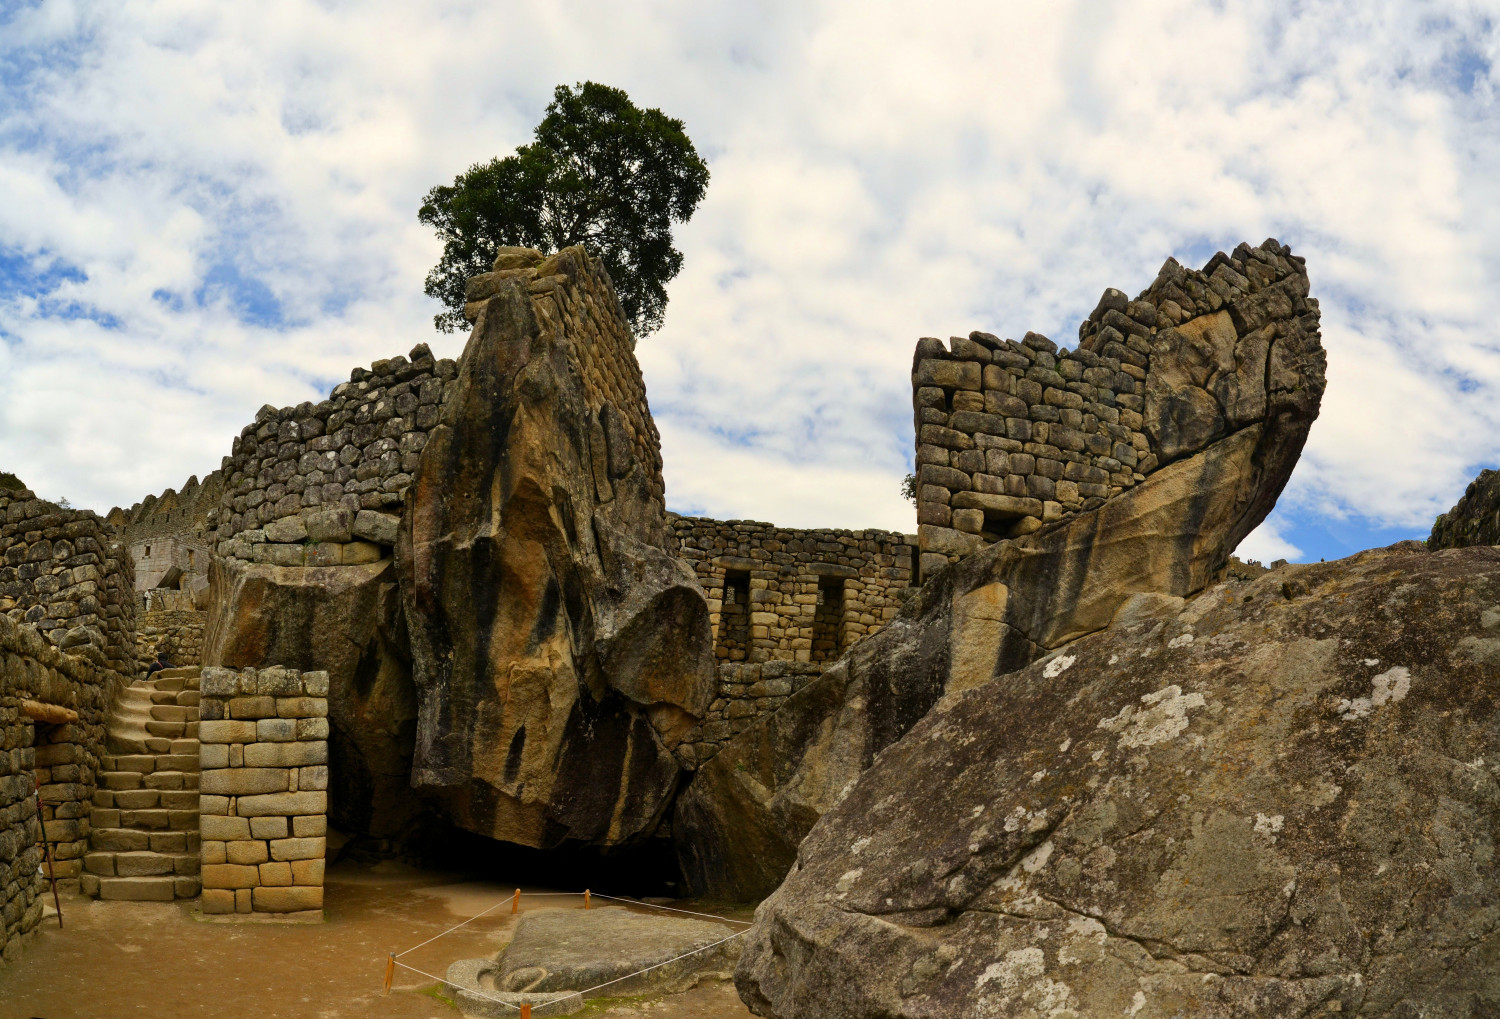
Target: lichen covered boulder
[[1280, 798], [560, 649], [1475, 519]]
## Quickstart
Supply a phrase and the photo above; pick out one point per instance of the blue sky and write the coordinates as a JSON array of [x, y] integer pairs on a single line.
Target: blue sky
[[208, 208]]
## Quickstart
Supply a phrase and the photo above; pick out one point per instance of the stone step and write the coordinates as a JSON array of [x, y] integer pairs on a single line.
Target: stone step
[[141, 889], [184, 672], [171, 730], [139, 863], [131, 840], [173, 713], [147, 799]]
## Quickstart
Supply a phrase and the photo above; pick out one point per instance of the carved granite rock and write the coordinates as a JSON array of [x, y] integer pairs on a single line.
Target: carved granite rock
[[560, 650], [1475, 520], [345, 620], [1278, 799], [738, 823]]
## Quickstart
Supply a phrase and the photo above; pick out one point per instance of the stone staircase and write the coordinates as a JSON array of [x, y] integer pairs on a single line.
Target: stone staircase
[[144, 839]]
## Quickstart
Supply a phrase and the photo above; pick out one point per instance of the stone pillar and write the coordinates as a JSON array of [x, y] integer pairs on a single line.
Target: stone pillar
[[264, 782]]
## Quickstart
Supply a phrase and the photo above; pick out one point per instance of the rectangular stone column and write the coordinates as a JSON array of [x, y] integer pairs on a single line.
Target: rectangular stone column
[[264, 800]]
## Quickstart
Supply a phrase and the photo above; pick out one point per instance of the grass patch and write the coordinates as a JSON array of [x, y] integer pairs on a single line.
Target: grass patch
[[436, 991]]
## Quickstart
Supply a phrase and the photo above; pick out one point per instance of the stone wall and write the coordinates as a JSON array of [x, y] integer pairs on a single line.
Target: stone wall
[[1012, 435], [64, 573], [264, 779], [356, 450], [168, 535], [783, 603], [1475, 519], [177, 634], [61, 758]]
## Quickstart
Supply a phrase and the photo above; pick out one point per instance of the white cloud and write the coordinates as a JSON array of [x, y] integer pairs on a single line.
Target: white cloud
[[876, 177]]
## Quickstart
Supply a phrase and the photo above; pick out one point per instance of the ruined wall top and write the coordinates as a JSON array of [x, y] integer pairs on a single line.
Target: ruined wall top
[[1012, 436]]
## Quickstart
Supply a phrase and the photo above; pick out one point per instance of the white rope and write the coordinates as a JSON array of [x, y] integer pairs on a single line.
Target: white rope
[[669, 909], [580, 994]]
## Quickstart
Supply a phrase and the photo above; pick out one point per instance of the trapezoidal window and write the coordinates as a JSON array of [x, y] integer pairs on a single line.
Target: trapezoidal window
[[828, 619], [734, 618]]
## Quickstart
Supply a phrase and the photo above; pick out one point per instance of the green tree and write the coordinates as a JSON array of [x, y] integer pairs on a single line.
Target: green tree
[[603, 173]]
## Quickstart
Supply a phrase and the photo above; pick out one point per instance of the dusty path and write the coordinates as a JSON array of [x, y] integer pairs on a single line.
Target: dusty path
[[115, 960]]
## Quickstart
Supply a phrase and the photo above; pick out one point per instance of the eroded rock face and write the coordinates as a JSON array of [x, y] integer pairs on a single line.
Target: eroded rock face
[[1278, 799], [345, 620], [1475, 520], [560, 650], [738, 823]]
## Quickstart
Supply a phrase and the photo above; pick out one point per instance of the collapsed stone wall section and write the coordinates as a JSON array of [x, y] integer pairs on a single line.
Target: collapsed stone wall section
[[1012, 436], [263, 784], [321, 485], [60, 758]]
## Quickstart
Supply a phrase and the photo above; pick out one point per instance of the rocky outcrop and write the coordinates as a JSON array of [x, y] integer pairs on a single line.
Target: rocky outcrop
[[738, 823], [560, 650], [344, 620], [1277, 799], [1475, 520]]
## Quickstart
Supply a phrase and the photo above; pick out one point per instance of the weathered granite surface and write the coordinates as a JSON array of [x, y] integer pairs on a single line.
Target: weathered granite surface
[[561, 651], [1277, 799]]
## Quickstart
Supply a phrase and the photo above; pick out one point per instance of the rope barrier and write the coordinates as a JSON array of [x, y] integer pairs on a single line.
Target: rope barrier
[[515, 900]]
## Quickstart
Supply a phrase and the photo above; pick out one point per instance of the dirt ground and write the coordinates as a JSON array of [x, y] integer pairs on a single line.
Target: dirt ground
[[113, 960]]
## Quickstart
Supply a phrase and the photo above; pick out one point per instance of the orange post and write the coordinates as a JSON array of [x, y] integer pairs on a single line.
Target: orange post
[[585, 898], [525, 1012], [515, 903], [390, 971]]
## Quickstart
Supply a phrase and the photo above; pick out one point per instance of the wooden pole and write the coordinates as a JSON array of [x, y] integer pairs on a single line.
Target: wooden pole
[[585, 898], [390, 971], [515, 903], [47, 849], [525, 1011]]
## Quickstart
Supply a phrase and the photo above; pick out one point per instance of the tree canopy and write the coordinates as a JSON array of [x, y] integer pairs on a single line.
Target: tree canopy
[[603, 173]]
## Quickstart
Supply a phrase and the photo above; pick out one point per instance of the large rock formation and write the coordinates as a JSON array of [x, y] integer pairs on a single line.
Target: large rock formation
[[560, 650], [1279, 799], [738, 823], [1475, 519], [346, 621]]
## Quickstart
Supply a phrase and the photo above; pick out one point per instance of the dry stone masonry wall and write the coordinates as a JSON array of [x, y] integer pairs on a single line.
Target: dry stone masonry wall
[[321, 485], [783, 603], [264, 780], [177, 636], [60, 757], [1012, 435], [169, 537]]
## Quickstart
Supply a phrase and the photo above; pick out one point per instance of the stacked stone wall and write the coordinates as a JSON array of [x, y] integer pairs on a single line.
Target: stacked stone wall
[[177, 634], [171, 530], [783, 604], [295, 468], [263, 787], [64, 572], [60, 758], [1011, 436]]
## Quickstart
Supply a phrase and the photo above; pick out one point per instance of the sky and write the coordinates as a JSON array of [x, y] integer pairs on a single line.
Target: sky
[[209, 207]]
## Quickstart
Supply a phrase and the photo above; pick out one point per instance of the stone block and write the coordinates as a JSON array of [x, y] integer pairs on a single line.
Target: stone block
[[138, 889], [268, 827], [285, 804], [315, 684], [253, 852], [328, 523], [288, 900], [275, 730], [323, 553], [217, 682], [286, 555], [244, 781], [214, 852], [287, 755], [217, 900], [313, 777], [229, 875], [224, 829], [278, 682], [310, 826], [227, 731], [380, 528], [307, 872], [142, 864], [287, 530], [213, 804], [252, 707], [301, 707], [358, 553], [298, 849], [276, 875], [242, 903], [312, 728], [213, 755]]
